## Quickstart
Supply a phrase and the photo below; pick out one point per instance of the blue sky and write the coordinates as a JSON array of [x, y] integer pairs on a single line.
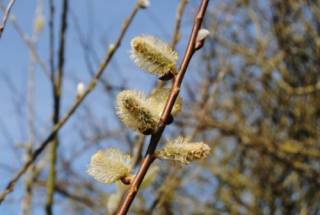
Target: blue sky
[[100, 22]]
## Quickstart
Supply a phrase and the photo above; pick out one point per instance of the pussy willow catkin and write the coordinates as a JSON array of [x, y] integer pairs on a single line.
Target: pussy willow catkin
[[153, 55]]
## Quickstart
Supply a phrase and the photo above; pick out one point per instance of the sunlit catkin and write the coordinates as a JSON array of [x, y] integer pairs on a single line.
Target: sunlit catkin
[[110, 165], [184, 151], [135, 112], [153, 55], [158, 99]]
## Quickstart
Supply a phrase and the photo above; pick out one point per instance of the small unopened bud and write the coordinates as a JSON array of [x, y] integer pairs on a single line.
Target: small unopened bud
[[202, 35], [80, 89], [136, 112], [184, 151], [154, 56], [39, 20], [144, 3], [111, 47], [110, 165], [39, 23]]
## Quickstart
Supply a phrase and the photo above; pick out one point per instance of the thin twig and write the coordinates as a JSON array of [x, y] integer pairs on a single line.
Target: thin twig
[[149, 157], [57, 91], [159, 84], [176, 32], [51, 38], [29, 43], [6, 16], [210, 87], [34, 171], [137, 157], [61, 189], [106, 60]]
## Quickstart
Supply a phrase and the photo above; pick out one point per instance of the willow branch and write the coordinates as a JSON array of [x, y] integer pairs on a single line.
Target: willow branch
[[51, 37], [61, 188], [177, 81], [29, 43], [210, 87], [29, 181], [159, 84], [6, 16], [177, 25], [57, 90], [106, 60]]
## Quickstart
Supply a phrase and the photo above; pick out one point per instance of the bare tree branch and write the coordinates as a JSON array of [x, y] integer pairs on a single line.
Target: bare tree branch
[[6, 16], [57, 93], [177, 81], [106, 60]]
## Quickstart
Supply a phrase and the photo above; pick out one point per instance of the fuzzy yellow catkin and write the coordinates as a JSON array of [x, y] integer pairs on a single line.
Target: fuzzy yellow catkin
[[184, 151], [153, 55], [158, 99], [135, 112], [109, 165]]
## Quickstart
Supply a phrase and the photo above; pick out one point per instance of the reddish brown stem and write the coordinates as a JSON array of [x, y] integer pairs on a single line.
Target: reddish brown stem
[[149, 157]]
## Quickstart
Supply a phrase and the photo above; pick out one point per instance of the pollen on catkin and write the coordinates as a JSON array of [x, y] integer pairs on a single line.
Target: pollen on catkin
[[184, 151], [158, 99], [153, 55], [109, 165], [135, 112]]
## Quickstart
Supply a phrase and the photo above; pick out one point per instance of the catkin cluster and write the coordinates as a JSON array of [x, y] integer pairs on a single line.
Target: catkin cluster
[[135, 110], [154, 56], [110, 165], [184, 151], [142, 114]]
